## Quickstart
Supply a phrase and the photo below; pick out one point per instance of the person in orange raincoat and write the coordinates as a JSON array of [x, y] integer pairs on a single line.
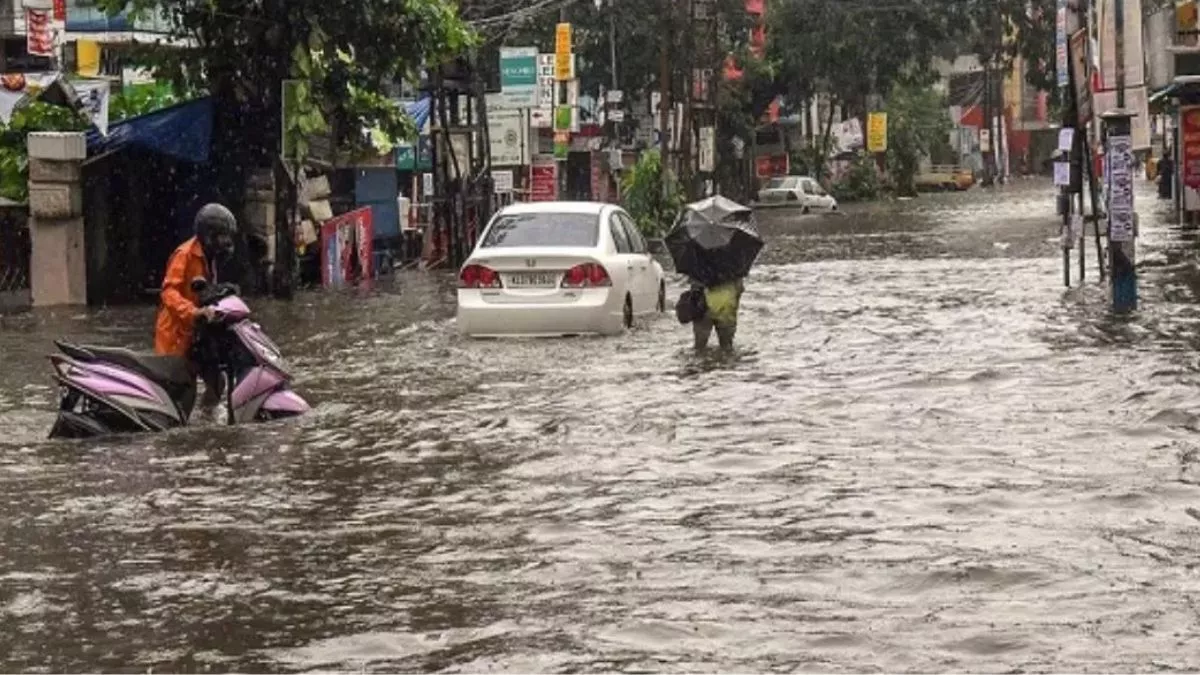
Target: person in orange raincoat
[[179, 308]]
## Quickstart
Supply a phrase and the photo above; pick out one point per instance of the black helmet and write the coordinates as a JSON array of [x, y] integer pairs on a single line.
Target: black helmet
[[216, 228]]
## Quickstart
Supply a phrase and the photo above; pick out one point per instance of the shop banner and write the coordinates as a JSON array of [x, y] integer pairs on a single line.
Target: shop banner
[[1189, 119], [347, 248]]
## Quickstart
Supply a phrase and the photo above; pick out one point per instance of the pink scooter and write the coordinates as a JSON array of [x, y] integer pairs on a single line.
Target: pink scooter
[[108, 390]]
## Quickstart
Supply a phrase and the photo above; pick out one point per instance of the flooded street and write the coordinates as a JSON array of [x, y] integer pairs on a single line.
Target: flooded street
[[927, 456]]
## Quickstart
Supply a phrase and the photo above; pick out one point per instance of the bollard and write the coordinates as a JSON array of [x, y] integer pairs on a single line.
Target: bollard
[[1122, 232]]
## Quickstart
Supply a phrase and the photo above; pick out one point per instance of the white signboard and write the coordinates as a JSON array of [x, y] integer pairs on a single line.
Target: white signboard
[[426, 185], [508, 137], [708, 149], [503, 181]]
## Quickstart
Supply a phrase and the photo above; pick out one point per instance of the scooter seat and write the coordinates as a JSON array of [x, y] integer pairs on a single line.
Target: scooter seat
[[168, 370]]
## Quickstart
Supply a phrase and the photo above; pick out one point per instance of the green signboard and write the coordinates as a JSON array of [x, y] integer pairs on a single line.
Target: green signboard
[[417, 157], [518, 76]]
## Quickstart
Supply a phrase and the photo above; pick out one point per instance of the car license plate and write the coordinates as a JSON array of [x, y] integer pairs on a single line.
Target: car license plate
[[533, 280]]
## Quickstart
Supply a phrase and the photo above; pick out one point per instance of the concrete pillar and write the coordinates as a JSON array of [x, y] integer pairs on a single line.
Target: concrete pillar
[[58, 261]]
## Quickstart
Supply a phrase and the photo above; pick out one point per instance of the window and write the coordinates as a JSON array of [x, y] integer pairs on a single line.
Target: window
[[782, 183], [810, 188], [552, 230], [636, 241], [620, 237]]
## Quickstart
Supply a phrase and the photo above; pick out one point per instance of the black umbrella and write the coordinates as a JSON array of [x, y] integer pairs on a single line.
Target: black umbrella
[[714, 241]]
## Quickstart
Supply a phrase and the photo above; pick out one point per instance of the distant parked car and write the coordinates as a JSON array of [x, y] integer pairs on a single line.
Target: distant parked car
[[558, 268], [945, 177], [799, 191]]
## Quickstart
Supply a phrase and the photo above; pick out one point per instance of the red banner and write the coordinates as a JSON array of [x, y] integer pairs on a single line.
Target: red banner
[[342, 238], [60, 10], [39, 39], [770, 166], [543, 182], [1189, 123]]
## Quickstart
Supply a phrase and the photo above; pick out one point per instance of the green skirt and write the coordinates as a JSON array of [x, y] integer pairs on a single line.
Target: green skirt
[[723, 303]]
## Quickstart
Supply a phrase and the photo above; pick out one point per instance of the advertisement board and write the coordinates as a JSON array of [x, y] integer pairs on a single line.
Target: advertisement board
[[347, 248]]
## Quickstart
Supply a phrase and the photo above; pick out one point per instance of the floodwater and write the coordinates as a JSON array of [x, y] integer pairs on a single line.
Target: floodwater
[[927, 456]]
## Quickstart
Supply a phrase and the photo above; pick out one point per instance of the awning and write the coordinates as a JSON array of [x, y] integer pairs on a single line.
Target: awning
[[182, 131]]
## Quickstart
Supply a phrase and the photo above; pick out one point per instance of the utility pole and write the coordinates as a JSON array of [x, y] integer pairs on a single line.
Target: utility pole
[[560, 98], [664, 83], [989, 153], [689, 84], [1118, 162]]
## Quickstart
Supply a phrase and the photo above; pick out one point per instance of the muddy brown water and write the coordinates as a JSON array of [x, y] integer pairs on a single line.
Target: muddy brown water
[[926, 456]]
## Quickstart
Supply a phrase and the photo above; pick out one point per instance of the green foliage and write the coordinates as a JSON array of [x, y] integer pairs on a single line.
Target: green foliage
[[860, 183], [341, 48], [653, 208], [917, 125], [837, 48], [14, 155], [141, 99]]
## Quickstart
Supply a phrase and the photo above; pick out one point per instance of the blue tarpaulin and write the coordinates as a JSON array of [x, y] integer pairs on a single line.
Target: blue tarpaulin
[[183, 131]]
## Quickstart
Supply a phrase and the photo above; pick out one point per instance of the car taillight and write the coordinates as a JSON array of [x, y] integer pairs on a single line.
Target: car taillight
[[478, 276], [587, 275]]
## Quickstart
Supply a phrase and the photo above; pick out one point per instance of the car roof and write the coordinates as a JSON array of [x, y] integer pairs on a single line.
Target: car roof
[[585, 208]]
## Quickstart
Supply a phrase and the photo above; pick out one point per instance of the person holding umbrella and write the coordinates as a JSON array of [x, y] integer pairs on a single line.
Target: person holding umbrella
[[715, 243]]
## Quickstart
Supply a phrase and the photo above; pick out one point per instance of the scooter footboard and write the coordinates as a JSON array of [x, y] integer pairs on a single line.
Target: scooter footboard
[[284, 403], [264, 395]]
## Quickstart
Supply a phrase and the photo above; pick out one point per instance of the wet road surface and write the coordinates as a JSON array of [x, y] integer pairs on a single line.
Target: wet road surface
[[927, 456]]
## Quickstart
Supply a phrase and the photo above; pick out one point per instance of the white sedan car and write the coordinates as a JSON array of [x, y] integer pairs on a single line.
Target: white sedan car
[[558, 268], [800, 191]]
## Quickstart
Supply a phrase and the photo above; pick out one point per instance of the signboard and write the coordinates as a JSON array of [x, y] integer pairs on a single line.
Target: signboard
[[877, 132], [1062, 63], [427, 184], [1079, 69], [417, 157], [1189, 133], [60, 10], [708, 149], [1120, 164], [39, 40], [519, 76], [347, 248], [562, 144], [543, 181], [562, 53], [508, 136], [502, 181]]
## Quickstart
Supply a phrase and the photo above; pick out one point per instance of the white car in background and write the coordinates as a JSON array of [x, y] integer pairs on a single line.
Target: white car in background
[[558, 268], [799, 191]]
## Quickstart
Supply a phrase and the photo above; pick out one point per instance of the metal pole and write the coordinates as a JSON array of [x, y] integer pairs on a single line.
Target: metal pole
[[1118, 162]]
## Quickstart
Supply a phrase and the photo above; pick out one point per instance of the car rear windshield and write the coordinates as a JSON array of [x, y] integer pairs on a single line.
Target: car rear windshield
[[559, 230], [777, 183]]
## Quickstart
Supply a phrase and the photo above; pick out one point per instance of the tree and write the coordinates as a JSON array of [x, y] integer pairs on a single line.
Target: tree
[[350, 52], [917, 124]]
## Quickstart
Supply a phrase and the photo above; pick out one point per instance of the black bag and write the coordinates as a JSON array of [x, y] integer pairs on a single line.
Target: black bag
[[691, 306]]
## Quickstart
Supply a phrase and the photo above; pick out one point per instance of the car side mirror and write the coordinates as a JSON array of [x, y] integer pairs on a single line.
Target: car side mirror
[[199, 285]]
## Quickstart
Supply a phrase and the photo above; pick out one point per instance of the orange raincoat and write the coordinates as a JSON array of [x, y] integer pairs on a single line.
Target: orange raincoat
[[178, 305]]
